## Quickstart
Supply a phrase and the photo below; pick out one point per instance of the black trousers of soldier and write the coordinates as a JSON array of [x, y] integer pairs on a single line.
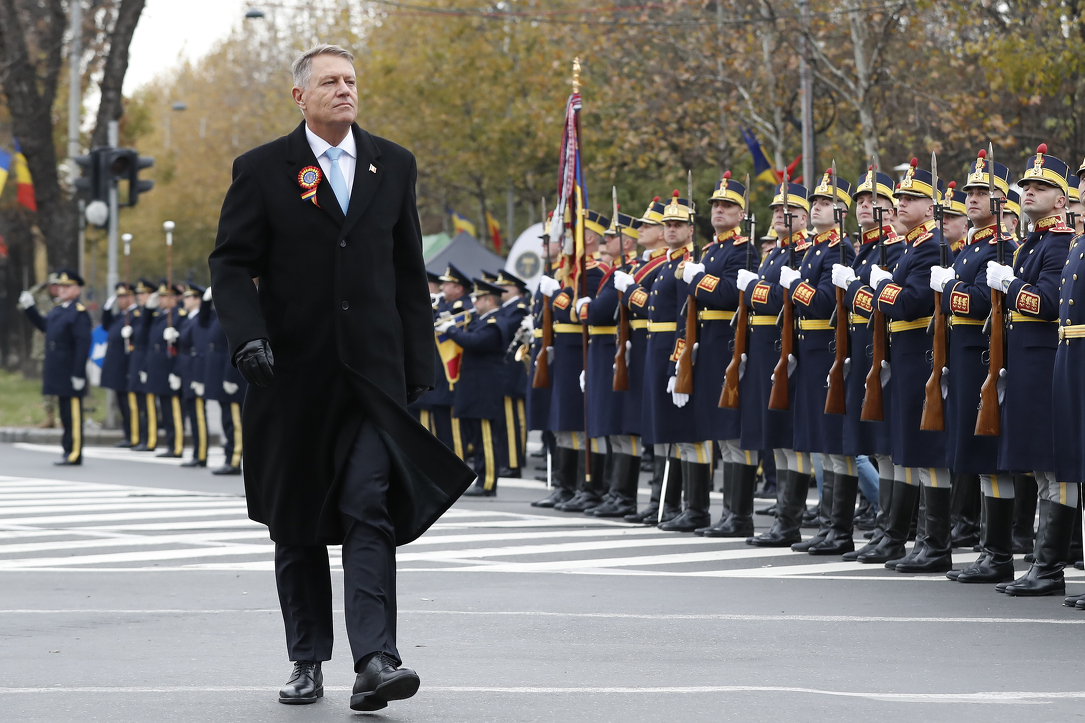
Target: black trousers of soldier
[[515, 429], [148, 419], [71, 416], [173, 424], [196, 414], [303, 574], [490, 442], [124, 406], [231, 432]]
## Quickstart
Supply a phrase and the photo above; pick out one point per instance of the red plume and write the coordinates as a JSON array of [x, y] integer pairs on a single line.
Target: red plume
[[726, 175], [675, 194], [952, 185], [1042, 148], [915, 162], [655, 200], [982, 153]]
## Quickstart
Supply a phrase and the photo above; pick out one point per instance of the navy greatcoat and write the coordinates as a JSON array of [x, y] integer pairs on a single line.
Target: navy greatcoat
[[635, 298], [605, 406], [478, 392], [115, 364], [538, 400], [67, 346], [566, 399], [1068, 382]]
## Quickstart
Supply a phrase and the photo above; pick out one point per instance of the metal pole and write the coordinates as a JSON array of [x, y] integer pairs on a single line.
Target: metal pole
[[111, 275], [806, 79], [75, 81], [83, 243]]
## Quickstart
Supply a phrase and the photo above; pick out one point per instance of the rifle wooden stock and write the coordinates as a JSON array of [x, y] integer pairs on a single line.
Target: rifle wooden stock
[[621, 370], [778, 397], [541, 379], [988, 422], [683, 384], [934, 418], [873, 407], [836, 398], [729, 395]]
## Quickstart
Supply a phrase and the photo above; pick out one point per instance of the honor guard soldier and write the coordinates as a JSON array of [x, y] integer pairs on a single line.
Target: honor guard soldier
[[1031, 292], [67, 347], [1074, 209], [905, 297], [478, 400], [1011, 214], [159, 365], [115, 364], [955, 217], [606, 407], [817, 433], [967, 305], [634, 285], [763, 427], [226, 384], [567, 399], [879, 246], [455, 286], [711, 283], [194, 367], [513, 311], [137, 331], [538, 397]]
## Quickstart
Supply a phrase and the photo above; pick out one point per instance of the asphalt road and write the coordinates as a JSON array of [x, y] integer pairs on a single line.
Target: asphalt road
[[134, 590]]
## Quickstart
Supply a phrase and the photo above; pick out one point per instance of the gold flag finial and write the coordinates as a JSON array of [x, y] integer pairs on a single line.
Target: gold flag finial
[[576, 75]]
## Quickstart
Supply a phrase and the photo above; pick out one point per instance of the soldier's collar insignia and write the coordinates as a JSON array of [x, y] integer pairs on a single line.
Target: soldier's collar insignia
[[728, 234], [919, 230], [309, 179]]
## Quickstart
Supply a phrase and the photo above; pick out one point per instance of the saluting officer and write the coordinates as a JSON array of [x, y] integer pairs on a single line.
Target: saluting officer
[[67, 346], [874, 207], [137, 331], [1031, 287], [115, 364], [514, 308], [633, 284], [159, 365], [764, 428]]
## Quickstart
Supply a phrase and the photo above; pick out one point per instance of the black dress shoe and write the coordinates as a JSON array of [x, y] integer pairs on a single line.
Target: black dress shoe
[[63, 462], [476, 491], [306, 684], [168, 454], [142, 447], [226, 469], [123, 444], [381, 681], [194, 463]]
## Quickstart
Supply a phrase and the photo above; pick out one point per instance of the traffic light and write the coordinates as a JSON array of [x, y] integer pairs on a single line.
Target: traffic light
[[91, 181], [124, 164]]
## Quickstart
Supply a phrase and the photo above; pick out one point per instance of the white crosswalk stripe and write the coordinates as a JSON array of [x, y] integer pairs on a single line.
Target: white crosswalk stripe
[[61, 525]]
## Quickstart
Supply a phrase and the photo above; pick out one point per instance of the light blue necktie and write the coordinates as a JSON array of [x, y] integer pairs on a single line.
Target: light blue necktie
[[335, 178]]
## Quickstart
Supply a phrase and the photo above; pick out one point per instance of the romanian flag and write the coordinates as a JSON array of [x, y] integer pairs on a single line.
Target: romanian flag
[[494, 229], [24, 186], [762, 169], [572, 195], [460, 223], [450, 352], [5, 166]]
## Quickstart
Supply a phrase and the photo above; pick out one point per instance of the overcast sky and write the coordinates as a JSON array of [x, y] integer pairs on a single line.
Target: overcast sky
[[169, 30]]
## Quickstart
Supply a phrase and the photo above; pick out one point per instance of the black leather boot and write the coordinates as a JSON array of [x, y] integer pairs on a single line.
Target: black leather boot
[[891, 546], [825, 513], [578, 486], [842, 522], [306, 684], [966, 510], [917, 532], [885, 501], [672, 493], [696, 481], [936, 554], [564, 470], [740, 522], [656, 485], [995, 563], [791, 490], [1045, 576], [1024, 513], [623, 500], [727, 472], [592, 487]]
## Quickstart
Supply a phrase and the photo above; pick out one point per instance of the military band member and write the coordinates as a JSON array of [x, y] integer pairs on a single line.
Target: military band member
[[968, 305], [712, 284], [159, 364], [764, 428], [137, 331], [454, 300], [67, 347], [1031, 287], [477, 398], [420, 409], [514, 309], [115, 364], [874, 208]]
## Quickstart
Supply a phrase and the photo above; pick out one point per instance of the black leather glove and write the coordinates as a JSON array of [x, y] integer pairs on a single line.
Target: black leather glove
[[415, 393], [256, 362]]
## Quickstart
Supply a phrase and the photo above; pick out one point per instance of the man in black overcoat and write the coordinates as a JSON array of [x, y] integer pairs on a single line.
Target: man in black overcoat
[[320, 286]]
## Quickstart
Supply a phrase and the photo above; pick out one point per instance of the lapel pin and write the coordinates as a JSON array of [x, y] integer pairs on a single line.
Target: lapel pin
[[372, 168]]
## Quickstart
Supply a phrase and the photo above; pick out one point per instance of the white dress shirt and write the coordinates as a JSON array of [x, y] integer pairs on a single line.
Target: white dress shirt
[[348, 161]]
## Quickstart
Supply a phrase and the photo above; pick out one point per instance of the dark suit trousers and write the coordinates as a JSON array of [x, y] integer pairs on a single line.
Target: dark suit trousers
[[303, 575]]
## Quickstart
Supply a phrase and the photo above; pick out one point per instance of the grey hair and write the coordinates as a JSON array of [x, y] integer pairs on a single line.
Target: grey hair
[[302, 68]]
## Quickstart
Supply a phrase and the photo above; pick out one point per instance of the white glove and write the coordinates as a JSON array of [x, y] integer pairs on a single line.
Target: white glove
[[940, 277], [78, 383], [26, 300], [628, 353], [670, 384], [742, 367], [690, 270], [583, 385], [445, 326], [1000, 385], [170, 334], [528, 324], [886, 373], [143, 377], [999, 276], [229, 387], [152, 301], [126, 332], [680, 400], [548, 286], [843, 276], [581, 303], [175, 382], [788, 276], [945, 382], [744, 279], [197, 387], [693, 352], [207, 294], [110, 302], [792, 362], [549, 355], [847, 370], [622, 281], [877, 275]]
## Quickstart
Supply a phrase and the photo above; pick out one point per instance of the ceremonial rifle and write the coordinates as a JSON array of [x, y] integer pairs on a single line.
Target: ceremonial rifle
[[988, 423], [934, 418], [836, 397], [683, 384], [621, 368], [541, 380], [778, 397], [873, 403], [127, 238], [729, 394]]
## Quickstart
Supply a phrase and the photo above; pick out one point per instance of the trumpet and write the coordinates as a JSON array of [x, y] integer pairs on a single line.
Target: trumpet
[[460, 319]]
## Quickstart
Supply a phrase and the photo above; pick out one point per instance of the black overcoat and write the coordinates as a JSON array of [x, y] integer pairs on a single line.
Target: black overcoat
[[344, 303]]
